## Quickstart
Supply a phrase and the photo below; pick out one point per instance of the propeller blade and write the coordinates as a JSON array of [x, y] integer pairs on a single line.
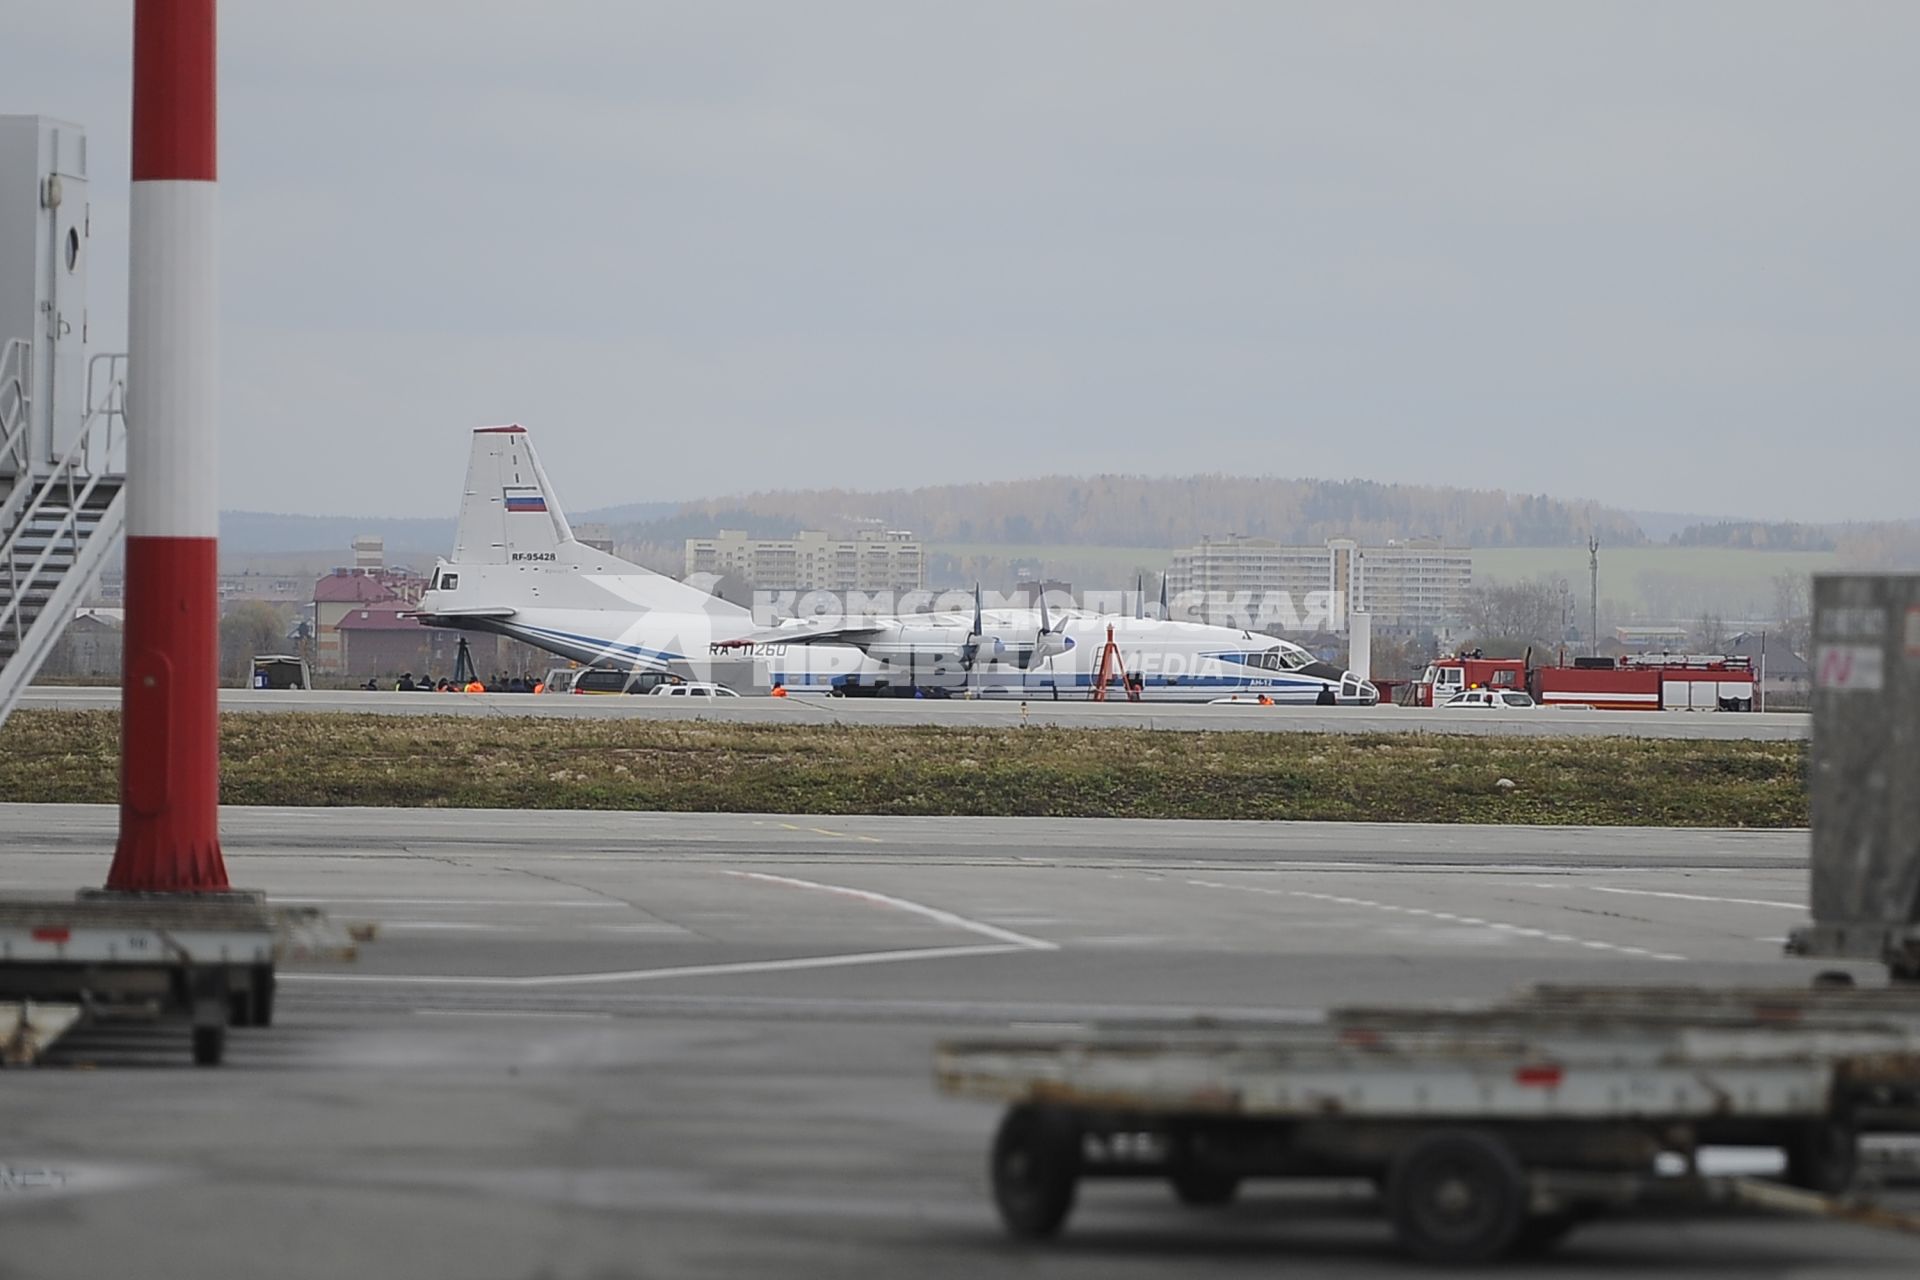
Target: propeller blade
[[1140, 596], [970, 651], [1046, 628], [1163, 597]]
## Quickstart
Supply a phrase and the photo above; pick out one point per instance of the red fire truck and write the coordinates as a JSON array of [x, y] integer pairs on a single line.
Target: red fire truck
[[1637, 682]]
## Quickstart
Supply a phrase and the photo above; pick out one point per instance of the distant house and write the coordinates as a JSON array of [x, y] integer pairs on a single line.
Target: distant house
[[1668, 639], [380, 640], [1786, 672], [90, 646], [346, 590]]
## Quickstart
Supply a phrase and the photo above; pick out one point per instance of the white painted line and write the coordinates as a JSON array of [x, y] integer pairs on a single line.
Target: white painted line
[[935, 914], [511, 1013], [640, 928], [652, 975], [1700, 897], [595, 903], [1494, 926], [460, 925]]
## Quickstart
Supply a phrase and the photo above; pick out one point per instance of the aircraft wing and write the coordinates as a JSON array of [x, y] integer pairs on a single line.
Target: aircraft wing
[[856, 637], [487, 611]]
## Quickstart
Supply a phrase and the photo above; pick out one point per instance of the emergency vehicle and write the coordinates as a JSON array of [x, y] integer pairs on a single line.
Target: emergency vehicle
[[1636, 682]]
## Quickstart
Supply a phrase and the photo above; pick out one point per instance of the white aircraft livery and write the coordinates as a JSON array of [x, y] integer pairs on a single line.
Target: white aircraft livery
[[518, 571]]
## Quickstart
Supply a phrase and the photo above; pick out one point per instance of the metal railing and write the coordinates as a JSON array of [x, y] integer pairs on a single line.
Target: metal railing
[[16, 398], [70, 488], [56, 531], [100, 449]]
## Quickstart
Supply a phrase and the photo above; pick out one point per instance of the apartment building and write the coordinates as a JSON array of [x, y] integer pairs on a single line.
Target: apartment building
[[1411, 586], [872, 560]]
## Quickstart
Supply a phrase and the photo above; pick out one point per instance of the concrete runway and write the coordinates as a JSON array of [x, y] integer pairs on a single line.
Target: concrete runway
[[1556, 722], [598, 1045]]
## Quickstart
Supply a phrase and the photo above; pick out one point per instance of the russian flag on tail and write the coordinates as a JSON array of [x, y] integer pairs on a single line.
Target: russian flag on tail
[[525, 500]]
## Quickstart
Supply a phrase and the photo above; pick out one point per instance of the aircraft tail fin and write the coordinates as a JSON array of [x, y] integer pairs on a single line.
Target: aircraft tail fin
[[509, 511], [510, 515]]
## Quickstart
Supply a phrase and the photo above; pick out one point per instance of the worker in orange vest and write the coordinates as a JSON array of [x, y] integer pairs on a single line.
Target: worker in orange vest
[[778, 691], [539, 686], [474, 686]]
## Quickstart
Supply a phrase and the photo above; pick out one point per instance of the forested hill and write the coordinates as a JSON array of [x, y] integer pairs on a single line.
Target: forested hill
[[1141, 511]]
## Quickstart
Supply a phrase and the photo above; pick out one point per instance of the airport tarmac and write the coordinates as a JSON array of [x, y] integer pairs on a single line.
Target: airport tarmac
[[602, 1044], [1065, 713]]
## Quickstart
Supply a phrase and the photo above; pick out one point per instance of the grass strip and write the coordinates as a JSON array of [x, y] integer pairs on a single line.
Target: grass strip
[[690, 766]]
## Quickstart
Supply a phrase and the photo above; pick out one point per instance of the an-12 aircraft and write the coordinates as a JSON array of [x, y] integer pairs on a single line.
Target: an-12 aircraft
[[518, 571]]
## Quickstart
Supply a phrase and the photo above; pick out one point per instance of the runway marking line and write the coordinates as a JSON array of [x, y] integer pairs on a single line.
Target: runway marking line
[[583, 1016], [1699, 897], [837, 835], [653, 975], [445, 926], [1592, 944], [454, 902], [1005, 942], [935, 914]]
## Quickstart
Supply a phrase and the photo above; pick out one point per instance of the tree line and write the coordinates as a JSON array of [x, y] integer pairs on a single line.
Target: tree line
[[1153, 511]]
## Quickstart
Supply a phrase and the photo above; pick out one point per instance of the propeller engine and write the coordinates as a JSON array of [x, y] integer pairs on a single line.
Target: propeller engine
[[936, 648], [1046, 642]]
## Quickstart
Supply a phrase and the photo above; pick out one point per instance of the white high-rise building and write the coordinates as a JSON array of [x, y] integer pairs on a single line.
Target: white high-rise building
[[1411, 586], [873, 560]]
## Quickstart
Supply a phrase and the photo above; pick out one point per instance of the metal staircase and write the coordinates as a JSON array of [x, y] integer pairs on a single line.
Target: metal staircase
[[60, 521]]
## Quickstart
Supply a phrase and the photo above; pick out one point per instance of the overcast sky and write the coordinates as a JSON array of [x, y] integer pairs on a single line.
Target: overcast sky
[[1661, 254]]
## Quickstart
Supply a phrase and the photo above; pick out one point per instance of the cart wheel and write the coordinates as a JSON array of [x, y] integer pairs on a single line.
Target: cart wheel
[[1203, 1188], [209, 1046], [1457, 1195], [1035, 1166], [1824, 1157], [263, 995]]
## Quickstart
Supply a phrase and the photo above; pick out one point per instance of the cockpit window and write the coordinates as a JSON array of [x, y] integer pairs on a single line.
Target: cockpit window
[[448, 581], [1278, 658]]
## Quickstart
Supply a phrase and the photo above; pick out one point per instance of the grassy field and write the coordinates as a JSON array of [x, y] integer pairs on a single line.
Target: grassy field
[[688, 766], [1730, 582]]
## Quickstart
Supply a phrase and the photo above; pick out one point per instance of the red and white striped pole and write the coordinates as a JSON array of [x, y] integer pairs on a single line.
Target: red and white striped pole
[[169, 735]]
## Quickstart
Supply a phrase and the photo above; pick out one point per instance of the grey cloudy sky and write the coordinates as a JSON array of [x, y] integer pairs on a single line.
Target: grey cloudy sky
[[1661, 254]]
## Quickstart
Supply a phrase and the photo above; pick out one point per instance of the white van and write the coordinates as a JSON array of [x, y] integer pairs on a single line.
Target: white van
[[694, 689]]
